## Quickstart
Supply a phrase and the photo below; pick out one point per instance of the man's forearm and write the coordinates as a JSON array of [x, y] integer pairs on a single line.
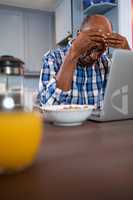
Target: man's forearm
[[65, 75]]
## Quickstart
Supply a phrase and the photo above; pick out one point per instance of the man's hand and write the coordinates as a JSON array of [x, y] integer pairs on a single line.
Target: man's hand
[[86, 41], [115, 40]]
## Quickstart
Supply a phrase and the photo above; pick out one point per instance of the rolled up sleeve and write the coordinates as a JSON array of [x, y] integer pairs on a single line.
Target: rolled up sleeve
[[49, 94]]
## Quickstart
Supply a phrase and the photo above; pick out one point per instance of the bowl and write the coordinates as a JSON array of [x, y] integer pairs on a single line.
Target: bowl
[[20, 138], [67, 115]]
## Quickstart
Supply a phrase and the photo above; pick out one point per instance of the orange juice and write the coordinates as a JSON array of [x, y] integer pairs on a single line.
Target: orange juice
[[20, 136]]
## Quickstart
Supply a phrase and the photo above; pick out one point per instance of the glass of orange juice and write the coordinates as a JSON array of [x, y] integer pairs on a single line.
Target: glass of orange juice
[[20, 138]]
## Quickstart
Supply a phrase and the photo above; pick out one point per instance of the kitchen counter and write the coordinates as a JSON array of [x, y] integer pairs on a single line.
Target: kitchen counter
[[32, 74], [92, 161]]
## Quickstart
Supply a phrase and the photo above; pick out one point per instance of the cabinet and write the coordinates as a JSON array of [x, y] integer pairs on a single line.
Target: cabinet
[[11, 33], [77, 16], [63, 20], [38, 38], [26, 34]]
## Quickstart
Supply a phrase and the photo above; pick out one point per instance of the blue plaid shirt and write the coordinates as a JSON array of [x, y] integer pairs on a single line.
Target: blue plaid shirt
[[88, 85]]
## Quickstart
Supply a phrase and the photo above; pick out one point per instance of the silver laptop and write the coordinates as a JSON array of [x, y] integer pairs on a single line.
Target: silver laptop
[[118, 99]]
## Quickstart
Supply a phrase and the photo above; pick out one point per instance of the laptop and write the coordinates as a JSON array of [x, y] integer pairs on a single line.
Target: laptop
[[118, 98]]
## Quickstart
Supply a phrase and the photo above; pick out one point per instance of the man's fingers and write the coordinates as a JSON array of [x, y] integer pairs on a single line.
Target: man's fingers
[[115, 45], [114, 36], [114, 42], [91, 36], [97, 39]]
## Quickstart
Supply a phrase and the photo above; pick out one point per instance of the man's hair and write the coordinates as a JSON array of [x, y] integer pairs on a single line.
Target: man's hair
[[87, 19]]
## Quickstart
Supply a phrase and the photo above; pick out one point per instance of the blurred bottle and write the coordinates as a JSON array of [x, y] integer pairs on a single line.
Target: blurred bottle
[[20, 127]]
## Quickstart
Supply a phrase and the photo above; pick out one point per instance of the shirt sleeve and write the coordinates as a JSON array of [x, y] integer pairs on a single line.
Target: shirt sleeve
[[49, 94]]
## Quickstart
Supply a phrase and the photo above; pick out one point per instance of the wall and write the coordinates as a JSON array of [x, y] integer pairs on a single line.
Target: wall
[[124, 19]]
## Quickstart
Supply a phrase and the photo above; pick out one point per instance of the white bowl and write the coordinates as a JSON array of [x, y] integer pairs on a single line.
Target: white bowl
[[67, 115]]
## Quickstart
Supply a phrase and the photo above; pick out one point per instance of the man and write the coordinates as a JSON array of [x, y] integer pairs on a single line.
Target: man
[[78, 73]]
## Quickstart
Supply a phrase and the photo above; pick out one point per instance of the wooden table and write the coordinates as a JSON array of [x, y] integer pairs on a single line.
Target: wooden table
[[90, 162]]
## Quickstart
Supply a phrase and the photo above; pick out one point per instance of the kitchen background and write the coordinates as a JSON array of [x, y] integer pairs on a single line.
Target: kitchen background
[[29, 28]]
